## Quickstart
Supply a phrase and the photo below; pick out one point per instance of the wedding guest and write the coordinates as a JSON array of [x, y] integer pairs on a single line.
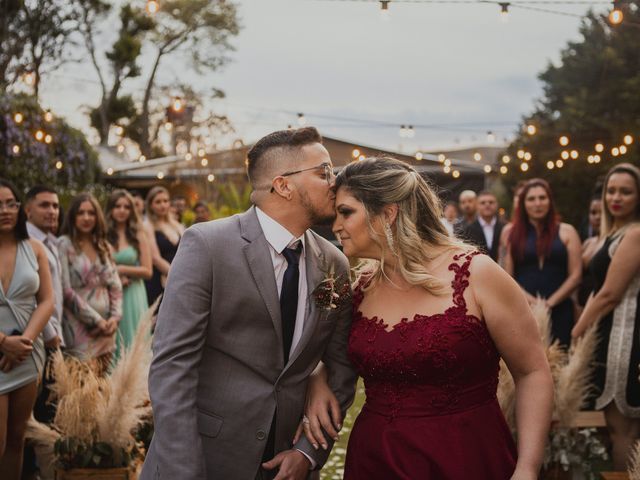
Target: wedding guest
[[26, 305], [450, 216], [43, 208], [467, 204], [589, 248], [164, 233], [543, 255], [485, 231], [592, 225], [138, 201], [91, 286], [179, 206], [614, 305], [432, 317], [132, 255], [202, 212]]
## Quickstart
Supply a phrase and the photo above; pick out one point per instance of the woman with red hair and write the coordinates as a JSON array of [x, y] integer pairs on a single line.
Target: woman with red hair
[[543, 255]]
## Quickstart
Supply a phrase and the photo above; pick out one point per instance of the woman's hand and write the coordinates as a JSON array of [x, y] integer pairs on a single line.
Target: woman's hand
[[322, 411], [6, 365], [124, 280], [16, 348], [522, 474]]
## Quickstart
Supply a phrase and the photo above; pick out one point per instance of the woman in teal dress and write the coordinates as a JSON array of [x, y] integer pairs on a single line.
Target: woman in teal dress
[[133, 260], [26, 303]]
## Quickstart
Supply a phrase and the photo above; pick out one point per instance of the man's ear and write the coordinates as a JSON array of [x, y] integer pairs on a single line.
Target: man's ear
[[390, 213], [282, 187]]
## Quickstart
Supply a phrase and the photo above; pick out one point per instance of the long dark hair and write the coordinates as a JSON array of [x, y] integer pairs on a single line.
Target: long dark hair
[[99, 234], [20, 230], [133, 222], [521, 224]]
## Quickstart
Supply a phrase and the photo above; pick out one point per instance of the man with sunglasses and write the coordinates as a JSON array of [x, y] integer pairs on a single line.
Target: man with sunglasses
[[241, 326]]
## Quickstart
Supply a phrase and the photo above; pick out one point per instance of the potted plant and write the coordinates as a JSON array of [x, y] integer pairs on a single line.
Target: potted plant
[[93, 435]]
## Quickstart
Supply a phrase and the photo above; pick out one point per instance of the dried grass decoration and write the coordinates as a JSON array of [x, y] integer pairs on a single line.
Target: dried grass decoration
[[634, 462], [97, 416], [571, 372]]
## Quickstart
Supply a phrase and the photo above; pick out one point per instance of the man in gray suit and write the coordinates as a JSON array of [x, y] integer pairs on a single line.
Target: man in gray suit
[[241, 327]]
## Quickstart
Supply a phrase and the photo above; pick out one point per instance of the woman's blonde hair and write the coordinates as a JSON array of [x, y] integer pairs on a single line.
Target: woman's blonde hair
[[418, 234], [153, 218], [606, 222]]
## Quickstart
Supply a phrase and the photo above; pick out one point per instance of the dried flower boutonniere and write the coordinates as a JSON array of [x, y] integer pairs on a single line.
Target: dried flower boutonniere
[[332, 292]]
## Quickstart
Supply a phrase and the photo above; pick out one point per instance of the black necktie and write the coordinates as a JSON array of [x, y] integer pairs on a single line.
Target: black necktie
[[289, 297]]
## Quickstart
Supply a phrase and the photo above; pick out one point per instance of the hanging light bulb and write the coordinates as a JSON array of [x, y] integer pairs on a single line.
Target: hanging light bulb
[[524, 167], [18, 117], [628, 139], [301, 119], [188, 156], [447, 162], [477, 156], [550, 165], [615, 151], [506, 159], [419, 156], [211, 177], [410, 131], [446, 169], [204, 162], [355, 153], [623, 149], [559, 163], [455, 174], [599, 147], [615, 16], [564, 140], [574, 154], [491, 138], [531, 129], [442, 157], [59, 165], [384, 9], [160, 175], [48, 116], [48, 139], [403, 131], [503, 169], [565, 155], [504, 15], [16, 149], [487, 169], [39, 135], [177, 104], [142, 159], [527, 156], [152, 7]]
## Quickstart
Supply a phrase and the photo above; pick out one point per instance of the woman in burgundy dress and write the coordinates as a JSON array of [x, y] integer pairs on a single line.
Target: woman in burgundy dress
[[431, 320]]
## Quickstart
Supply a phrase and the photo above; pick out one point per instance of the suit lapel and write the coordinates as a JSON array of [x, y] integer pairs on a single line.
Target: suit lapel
[[315, 273], [259, 259]]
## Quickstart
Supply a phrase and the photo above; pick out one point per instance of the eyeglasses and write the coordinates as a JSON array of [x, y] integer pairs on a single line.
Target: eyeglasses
[[10, 206], [328, 173]]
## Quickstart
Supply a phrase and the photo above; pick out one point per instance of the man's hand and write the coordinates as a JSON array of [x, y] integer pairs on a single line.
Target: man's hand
[[291, 464]]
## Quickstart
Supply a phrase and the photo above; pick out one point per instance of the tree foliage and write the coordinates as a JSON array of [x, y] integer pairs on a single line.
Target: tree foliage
[[67, 161], [592, 97]]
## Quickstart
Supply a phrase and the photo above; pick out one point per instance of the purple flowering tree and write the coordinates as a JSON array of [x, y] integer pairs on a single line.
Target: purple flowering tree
[[37, 147]]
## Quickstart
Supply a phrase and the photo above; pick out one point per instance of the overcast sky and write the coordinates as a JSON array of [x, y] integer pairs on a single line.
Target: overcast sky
[[429, 64]]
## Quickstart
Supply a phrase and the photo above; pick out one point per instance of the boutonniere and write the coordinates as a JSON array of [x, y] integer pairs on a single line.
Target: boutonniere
[[332, 292]]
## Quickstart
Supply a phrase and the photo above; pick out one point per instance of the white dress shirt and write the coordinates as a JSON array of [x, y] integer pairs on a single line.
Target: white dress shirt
[[53, 327], [278, 239], [488, 229]]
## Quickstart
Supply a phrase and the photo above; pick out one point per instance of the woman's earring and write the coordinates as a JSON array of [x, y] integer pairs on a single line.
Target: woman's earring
[[389, 234]]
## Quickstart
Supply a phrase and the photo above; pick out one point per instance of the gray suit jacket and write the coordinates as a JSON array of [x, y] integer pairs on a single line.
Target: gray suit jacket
[[218, 373]]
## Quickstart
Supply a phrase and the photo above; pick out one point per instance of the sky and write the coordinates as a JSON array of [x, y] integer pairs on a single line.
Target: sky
[[455, 71]]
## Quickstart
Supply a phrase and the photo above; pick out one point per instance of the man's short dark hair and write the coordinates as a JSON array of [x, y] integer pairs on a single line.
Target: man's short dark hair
[[136, 193], [257, 157], [485, 193], [37, 190]]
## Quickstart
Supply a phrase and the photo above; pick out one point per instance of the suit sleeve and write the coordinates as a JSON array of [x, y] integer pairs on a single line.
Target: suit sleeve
[[178, 343], [342, 376]]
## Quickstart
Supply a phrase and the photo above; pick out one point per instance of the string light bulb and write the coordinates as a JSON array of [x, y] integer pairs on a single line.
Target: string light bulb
[[531, 129], [152, 7], [18, 118], [504, 15], [487, 169], [16, 149], [446, 169], [527, 156], [59, 165], [477, 156], [615, 151], [384, 9], [355, 153], [519, 154], [160, 175], [559, 163], [599, 147], [188, 156], [455, 174], [574, 154], [419, 156], [177, 104], [506, 159], [48, 139], [503, 169], [302, 119], [204, 162], [442, 157], [550, 165], [623, 149], [142, 159], [615, 16], [39, 135], [109, 171], [564, 140], [565, 155], [628, 140], [48, 116], [524, 167], [447, 162], [491, 137], [211, 177]]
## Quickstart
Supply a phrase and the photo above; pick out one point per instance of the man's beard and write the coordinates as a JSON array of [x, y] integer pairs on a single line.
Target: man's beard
[[315, 217]]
